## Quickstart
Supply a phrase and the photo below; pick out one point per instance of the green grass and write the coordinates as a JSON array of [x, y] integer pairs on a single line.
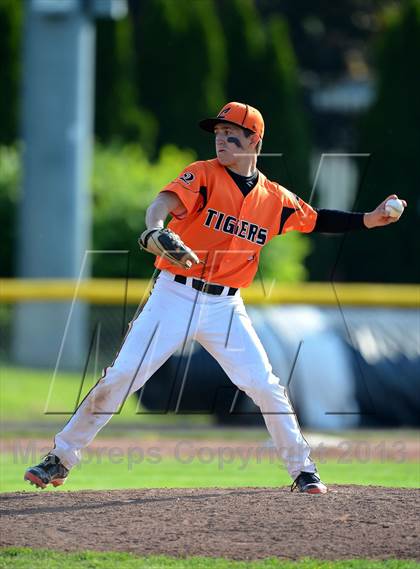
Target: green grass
[[22, 558], [25, 394], [103, 472]]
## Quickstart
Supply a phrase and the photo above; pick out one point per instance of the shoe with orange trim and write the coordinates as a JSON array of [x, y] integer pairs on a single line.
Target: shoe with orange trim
[[49, 471], [309, 483]]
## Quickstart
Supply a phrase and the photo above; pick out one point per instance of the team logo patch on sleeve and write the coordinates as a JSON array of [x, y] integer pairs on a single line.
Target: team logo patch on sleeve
[[187, 177]]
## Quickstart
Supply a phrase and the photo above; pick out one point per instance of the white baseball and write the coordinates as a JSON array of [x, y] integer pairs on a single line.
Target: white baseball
[[394, 207]]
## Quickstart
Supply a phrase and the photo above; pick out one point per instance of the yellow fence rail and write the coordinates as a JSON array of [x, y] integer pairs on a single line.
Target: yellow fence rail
[[116, 292]]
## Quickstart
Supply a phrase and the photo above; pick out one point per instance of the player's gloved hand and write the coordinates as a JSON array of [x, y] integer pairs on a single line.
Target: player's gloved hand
[[165, 243]]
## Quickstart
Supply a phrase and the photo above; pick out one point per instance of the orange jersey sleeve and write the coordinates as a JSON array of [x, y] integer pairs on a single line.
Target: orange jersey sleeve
[[187, 186], [296, 215]]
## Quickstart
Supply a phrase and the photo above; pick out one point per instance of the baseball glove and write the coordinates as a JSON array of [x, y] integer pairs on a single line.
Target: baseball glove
[[165, 243]]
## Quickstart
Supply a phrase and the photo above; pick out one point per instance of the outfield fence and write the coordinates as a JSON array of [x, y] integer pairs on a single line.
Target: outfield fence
[[133, 291], [362, 334]]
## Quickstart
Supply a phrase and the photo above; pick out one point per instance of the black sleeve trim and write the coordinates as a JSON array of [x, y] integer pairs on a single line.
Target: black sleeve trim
[[285, 214], [335, 221], [203, 192]]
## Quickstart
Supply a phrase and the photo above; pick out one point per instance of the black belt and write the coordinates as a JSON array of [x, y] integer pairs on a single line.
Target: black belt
[[202, 286]]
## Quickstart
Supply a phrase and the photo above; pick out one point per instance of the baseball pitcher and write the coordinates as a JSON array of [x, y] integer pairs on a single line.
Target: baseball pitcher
[[223, 212]]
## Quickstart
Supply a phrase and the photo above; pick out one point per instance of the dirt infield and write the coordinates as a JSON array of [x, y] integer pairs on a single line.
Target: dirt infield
[[245, 523]]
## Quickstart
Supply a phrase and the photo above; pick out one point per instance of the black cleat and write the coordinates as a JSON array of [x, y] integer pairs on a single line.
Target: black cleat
[[310, 483], [49, 471]]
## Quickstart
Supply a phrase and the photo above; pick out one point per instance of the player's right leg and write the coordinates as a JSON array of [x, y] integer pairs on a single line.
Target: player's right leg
[[153, 336]]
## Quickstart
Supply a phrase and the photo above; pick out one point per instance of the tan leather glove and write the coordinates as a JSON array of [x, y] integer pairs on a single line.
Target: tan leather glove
[[165, 243]]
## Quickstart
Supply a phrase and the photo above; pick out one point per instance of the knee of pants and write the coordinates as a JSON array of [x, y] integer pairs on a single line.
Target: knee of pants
[[116, 379], [122, 373], [109, 393]]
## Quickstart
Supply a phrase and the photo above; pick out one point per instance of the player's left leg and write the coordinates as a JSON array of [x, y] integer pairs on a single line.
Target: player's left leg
[[226, 331]]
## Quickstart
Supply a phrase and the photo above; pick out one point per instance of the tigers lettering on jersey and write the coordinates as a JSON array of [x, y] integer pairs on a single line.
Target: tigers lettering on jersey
[[226, 229], [242, 228]]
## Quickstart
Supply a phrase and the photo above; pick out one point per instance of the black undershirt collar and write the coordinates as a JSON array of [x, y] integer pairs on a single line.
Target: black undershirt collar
[[244, 183]]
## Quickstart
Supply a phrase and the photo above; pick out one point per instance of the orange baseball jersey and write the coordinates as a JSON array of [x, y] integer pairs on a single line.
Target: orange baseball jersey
[[227, 230]]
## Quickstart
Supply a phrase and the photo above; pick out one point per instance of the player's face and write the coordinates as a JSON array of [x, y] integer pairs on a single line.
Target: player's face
[[230, 143]]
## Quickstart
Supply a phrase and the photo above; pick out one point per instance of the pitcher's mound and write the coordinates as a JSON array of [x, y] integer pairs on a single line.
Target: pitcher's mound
[[237, 523]]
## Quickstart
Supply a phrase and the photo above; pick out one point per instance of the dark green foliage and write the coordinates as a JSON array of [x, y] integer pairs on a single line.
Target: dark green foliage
[[117, 113], [124, 184], [263, 72], [391, 133], [246, 44], [171, 63], [10, 173], [181, 65], [10, 49], [286, 127]]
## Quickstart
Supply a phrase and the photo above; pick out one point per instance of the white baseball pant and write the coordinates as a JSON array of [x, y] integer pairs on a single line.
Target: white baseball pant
[[174, 314]]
